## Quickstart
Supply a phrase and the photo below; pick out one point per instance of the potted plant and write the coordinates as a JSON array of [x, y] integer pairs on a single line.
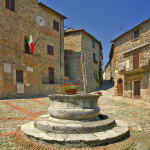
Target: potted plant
[[71, 88]]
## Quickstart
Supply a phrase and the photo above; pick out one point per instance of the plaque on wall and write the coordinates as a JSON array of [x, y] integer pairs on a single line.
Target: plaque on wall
[[7, 68], [30, 69], [20, 88]]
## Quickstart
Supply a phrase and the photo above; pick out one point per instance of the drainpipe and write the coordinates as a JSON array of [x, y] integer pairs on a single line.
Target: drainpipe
[[60, 49], [83, 65], [149, 87]]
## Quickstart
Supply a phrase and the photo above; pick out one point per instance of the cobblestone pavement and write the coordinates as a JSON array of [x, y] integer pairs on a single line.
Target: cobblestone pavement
[[15, 112]]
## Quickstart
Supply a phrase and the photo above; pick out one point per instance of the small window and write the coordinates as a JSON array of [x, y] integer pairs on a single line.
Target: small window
[[136, 34], [51, 76], [19, 76], [95, 75], [93, 44], [10, 4], [94, 57], [50, 50], [26, 45], [56, 25]]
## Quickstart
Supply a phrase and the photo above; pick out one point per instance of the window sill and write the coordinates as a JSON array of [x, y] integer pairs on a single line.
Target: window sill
[[133, 40]]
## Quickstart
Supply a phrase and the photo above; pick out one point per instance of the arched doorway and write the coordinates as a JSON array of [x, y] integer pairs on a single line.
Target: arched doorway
[[120, 87]]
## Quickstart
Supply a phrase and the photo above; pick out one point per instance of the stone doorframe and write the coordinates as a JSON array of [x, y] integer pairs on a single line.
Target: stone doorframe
[[133, 88]]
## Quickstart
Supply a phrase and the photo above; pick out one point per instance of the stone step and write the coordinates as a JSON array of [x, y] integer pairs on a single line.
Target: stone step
[[75, 140], [49, 124]]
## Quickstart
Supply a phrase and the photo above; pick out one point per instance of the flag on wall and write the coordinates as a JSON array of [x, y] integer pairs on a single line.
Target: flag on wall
[[30, 42]]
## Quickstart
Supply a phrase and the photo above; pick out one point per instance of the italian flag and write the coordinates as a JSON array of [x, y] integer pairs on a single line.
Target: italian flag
[[30, 42]]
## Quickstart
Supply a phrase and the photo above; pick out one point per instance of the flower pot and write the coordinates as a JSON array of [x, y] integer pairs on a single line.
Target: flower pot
[[71, 91], [99, 93]]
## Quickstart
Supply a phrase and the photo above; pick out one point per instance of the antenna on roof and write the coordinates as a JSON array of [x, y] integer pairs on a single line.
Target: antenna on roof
[[120, 28]]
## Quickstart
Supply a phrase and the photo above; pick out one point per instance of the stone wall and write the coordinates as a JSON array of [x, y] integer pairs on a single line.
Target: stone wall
[[107, 72], [14, 26], [125, 47], [91, 67], [79, 63]]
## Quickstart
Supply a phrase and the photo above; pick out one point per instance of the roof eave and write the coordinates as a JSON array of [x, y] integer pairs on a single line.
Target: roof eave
[[52, 10], [137, 26], [77, 30]]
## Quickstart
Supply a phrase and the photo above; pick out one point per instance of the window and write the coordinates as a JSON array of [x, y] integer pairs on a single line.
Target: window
[[95, 75], [10, 4], [56, 25], [94, 57], [51, 76], [50, 50], [26, 45], [19, 76], [93, 44], [136, 34], [136, 60]]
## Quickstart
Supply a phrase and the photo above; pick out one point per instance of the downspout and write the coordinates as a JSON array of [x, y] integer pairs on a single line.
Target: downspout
[[83, 65], [60, 50]]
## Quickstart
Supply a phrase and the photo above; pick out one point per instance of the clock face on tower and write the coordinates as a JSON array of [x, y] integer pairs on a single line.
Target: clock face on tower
[[40, 20]]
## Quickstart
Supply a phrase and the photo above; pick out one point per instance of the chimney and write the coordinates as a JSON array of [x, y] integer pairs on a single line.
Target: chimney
[[70, 29]]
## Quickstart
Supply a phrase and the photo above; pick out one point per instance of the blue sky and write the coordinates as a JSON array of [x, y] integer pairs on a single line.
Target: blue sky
[[102, 18]]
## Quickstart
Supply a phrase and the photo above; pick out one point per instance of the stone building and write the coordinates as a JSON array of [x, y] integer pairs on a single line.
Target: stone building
[[132, 62], [108, 73], [22, 73], [83, 59]]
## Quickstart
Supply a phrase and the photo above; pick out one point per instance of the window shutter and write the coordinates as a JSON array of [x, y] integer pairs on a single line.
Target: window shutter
[[136, 60], [19, 76], [50, 50], [56, 25], [94, 59], [7, 4], [13, 5]]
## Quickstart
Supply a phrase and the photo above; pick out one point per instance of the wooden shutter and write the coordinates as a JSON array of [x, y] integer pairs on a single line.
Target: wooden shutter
[[136, 60], [50, 50], [56, 25], [120, 87], [19, 76], [26, 45], [7, 4], [51, 75], [13, 5], [94, 57]]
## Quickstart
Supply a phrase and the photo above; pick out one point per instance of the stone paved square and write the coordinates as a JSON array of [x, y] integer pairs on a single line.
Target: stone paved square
[[134, 112]]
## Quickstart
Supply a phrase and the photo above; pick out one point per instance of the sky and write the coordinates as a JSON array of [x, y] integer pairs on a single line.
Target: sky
[[102, 18]]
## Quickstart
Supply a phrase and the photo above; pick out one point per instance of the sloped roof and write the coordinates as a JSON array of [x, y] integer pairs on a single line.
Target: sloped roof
[[82, 30], [142, 23], [43, 5]]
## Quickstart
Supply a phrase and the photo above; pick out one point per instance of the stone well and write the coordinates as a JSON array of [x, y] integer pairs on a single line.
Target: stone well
[[74, 121]]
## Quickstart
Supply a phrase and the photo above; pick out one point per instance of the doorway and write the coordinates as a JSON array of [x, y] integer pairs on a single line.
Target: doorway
[[137, 89], [120, 87]]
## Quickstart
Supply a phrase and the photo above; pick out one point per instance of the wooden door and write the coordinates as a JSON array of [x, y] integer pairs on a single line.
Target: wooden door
[[51, 76], [136, 60], [120, 87], [137, 89]]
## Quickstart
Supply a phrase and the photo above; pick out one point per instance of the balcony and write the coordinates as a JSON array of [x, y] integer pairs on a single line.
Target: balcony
[[143, 68]]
